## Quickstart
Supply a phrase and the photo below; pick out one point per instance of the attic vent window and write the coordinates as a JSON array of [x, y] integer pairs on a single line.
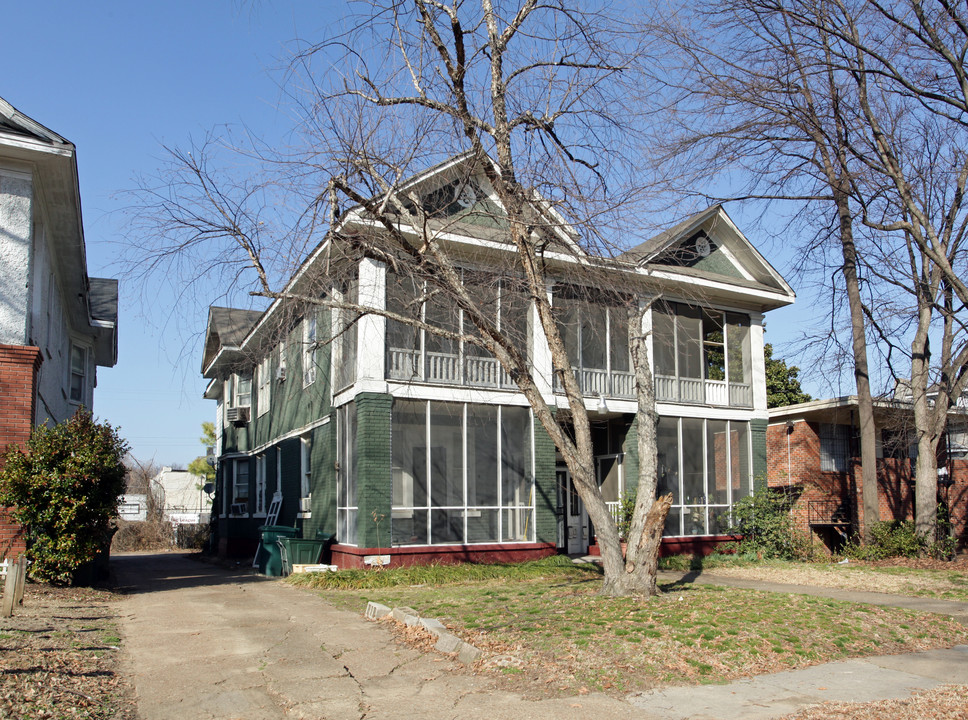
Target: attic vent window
[[703, 247], [451, 198]]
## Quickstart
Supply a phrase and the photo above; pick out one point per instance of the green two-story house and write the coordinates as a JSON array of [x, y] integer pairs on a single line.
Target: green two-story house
[[404, 443]]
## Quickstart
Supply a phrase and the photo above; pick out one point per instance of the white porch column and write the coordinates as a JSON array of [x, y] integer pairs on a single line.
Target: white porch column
[[757, 363], [371, 335], [541, 354]]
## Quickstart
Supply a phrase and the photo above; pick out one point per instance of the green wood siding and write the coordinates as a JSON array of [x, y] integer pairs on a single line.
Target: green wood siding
[[758, 440], [373, 474], [545, 486], [291, 404], [323, 482]]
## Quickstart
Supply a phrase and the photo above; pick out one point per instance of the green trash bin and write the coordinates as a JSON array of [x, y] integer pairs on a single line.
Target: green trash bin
[[298, 551], [270, 557]]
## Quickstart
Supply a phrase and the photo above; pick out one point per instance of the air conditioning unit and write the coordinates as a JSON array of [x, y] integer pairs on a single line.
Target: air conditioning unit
[[305, 504], [281, 374], [239, 509], [237, 415]]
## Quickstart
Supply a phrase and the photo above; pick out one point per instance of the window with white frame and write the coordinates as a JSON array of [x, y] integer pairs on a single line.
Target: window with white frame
[[309, 348], [595, 330], [264, 389], [306, 465], [958, 442], [243, 391], [345, 335], [461, 474], [79, 380], [833, 447], [346, 501], [701, 355], [240, 482], [282, 359], [260, 485]]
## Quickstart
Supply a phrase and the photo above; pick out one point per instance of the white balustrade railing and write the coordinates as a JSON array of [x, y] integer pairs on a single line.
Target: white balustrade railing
[[623, 384], [666, 388], [691, 390], [694, 390], [403, 364], [717, 392], [442, 367], [614, 509], [482, 371], [740, 395], [593, 382]]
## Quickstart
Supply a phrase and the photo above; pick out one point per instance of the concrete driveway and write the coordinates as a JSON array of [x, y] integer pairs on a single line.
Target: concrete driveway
[[206, 643]]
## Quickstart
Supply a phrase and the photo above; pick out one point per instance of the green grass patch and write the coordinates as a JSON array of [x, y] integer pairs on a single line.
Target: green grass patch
[[556, 566], [550, 616]]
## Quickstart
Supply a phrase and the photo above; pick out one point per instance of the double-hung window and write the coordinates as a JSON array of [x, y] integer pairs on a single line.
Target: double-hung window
[[78, 373], [833, 448], [309, 348], [240, 485], [243, 391], [265, 385]]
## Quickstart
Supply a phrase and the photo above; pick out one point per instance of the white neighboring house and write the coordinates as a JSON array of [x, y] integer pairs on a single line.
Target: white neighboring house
[[182, 497], [57, 325]]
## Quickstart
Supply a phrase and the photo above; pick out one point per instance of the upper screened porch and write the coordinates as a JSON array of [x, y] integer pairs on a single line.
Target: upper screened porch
[[699, 355]]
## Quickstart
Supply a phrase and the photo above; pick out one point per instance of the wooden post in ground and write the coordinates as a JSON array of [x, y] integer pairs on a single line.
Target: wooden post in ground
[[18, 593], [9, 588]]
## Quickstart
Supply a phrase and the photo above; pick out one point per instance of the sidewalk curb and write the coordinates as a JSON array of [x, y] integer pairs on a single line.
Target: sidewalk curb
[[446, 642]]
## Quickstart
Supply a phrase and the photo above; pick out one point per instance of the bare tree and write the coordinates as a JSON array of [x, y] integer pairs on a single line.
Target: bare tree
[[528, 96], [859, 106], [766, 98]]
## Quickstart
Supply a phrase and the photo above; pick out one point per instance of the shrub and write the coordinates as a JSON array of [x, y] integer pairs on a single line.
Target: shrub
[[898, 538], [150, 534], [64, 490], [764, 521]]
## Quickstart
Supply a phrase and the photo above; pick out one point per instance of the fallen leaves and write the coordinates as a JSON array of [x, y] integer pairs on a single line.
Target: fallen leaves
[[58, 658]]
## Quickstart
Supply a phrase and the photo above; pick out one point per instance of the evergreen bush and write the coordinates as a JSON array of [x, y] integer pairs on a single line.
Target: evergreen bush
[[64, 490], [764, 521]]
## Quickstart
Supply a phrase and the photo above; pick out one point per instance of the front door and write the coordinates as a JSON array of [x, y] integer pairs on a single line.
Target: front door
[[576, 519]]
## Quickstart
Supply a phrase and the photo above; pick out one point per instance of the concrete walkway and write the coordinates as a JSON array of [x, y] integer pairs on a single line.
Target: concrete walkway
[[955, 610], [207, 643]]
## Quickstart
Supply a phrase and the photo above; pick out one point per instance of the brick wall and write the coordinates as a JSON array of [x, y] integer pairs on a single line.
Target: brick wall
[[18, 382], [794, 461]]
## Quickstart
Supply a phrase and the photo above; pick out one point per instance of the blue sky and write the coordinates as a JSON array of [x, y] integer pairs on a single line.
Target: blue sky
[[119, 80]]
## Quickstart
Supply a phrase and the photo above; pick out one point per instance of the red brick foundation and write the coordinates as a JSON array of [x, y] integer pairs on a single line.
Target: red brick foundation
[[348, 556], [18, 384]]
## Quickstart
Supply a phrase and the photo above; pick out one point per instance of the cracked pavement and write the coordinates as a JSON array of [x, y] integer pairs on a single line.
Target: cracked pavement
[[206, 643]]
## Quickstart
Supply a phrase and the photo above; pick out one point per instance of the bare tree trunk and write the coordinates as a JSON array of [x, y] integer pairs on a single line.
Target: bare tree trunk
[[926, 465], [865, 402], [648, 522]]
